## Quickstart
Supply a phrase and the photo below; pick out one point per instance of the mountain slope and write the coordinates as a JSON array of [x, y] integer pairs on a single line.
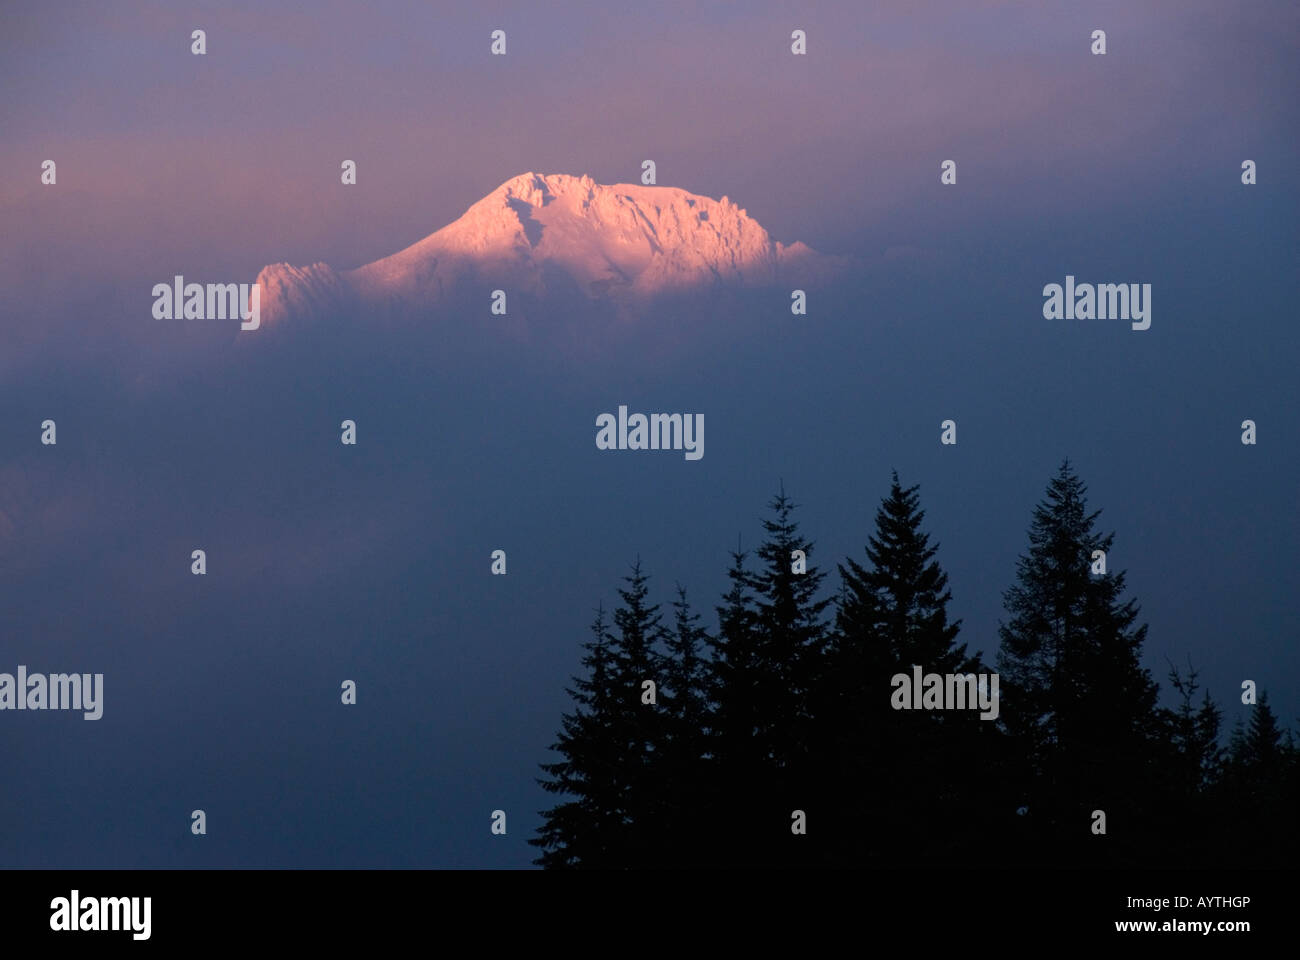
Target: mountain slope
[[622, 242]]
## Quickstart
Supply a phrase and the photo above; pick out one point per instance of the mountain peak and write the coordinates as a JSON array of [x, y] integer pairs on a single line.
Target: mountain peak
[[616, 241], [536, 187]]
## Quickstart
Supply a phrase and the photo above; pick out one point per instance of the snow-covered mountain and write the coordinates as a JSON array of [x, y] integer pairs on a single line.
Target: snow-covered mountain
[[621, 242]]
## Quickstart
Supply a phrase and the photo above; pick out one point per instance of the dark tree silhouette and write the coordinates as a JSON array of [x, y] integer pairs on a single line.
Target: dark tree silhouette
[[1194, 735], [929, 775], [1260, 792], [681, 821], [1192, 765], [737, 756], [639, 727], [777, 712], [586, 829], [902, 600], [1075, 693], [608, 745], [765, 661], [1260, 750]]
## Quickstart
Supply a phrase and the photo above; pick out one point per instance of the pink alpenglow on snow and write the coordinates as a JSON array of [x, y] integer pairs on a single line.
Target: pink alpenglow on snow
[[621, 242]]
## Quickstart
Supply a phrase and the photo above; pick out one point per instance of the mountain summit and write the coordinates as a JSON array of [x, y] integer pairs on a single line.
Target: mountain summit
[[621, 242]]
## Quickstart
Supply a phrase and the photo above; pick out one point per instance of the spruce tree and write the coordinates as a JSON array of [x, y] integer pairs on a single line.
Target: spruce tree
[[1074, 691], [736, 755], [766, 661], [682, 816], [686, 673], [585, 830], [638, 727], [1194, 735], [790, 634], [1192, 764], [1261, 792], [927, 774], [903, 597], [608, 745], [1262, 747]]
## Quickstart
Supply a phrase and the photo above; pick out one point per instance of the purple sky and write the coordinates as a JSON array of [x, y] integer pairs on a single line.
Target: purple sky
[[234, 157], [1117, 168]]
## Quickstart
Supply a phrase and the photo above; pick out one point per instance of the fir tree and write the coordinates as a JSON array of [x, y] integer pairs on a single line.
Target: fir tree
[[1193, 765], [608, 746], [585, 830], [638, 728], [902, 599], [736, 754], [682, 817], [926, 774], [1194, 735], [1261, 792], [685, 678], [1262, 746], [765, 663], [790, 633], [1074, 691]]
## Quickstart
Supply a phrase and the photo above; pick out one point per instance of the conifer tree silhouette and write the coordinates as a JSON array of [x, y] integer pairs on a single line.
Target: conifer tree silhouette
[[1260, 792], [928, 775], [585, 830], [766, 659], [1074, 691], [1194, 764], [1194, 734], [608, 745], [777, 711], [1261, 748], [737, 757], [682, 818], [640, 729], [790, 633]]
